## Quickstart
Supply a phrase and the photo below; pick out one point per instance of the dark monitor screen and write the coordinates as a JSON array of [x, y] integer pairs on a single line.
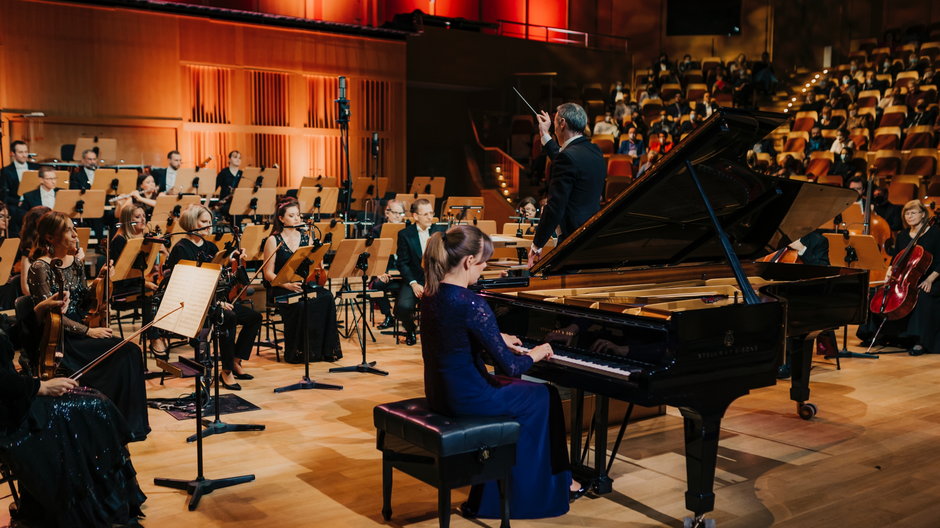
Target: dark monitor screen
[[698, 17]]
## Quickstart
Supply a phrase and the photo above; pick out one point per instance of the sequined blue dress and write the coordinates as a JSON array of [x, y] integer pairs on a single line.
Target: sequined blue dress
[[457, 329]]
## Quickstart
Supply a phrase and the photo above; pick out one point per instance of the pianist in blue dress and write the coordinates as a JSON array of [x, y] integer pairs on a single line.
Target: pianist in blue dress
[[457, 329]]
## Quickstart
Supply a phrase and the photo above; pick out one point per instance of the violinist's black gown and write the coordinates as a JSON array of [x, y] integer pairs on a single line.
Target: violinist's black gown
[[68, 453], [321, 316], [119, 377]]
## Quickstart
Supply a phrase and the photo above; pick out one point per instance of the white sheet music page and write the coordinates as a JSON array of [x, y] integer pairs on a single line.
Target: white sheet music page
[[195, 287]]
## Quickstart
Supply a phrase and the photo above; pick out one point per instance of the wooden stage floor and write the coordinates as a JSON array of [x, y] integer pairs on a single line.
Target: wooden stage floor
[[870, 458]]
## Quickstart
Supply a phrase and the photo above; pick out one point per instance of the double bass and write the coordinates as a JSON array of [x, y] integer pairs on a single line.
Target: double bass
[[897, 298]]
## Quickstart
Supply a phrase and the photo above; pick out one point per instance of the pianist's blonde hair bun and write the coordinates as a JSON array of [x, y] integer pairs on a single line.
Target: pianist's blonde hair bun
[[446, 250]]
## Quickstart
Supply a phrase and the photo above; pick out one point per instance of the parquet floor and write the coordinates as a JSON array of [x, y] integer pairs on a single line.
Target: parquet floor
[[870, 458]]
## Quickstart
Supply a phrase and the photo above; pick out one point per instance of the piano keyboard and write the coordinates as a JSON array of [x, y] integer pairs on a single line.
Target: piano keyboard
[[566, 357]]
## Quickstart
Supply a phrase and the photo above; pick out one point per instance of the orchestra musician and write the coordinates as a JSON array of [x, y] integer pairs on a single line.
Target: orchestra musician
[[394, 214], [321, 326], [923, 324], [227, 179], [44, 194], [120, 376], [84, 176], [67, 446], [197, 222], [27, 240], [578, 172], [11, 290], [166, 178], [457, 328], [412, 241], [10, 178], [145, 196]]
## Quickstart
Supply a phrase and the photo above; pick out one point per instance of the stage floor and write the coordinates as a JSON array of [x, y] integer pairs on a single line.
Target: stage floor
[[870, 457]]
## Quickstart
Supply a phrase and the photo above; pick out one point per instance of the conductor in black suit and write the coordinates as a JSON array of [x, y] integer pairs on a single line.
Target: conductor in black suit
[[576, 181], [10, 181], [412, 240], [45, 193]]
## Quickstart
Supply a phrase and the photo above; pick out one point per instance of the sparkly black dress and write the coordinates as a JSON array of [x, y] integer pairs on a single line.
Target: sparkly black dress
[[68, 453], [321, 316], [121, 376]]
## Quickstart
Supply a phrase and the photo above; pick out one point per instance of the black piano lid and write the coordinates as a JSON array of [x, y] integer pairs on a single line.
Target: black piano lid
[[660, 219]]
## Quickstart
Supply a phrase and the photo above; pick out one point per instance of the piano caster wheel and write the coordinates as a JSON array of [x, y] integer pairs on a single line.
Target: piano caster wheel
[[698, 522], [806, 410]]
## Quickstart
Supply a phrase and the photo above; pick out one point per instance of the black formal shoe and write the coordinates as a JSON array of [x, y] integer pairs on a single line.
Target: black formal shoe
[[411, 339], [243, 376], [783, 372], [917, 350], [577, 494], [386, 324], [467, 512], [234, 386]]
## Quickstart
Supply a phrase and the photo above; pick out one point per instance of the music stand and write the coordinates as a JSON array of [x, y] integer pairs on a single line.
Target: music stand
[[8, 258], [106, 148], [319, 180], [125, 181], [374, 256], [252, 241], [171, 207], [289, 273], [319, 200], [429, 185], [80, 204], [463, 208], [365, 189], [195, 180], [246, 201], [196, 289], [857, 252], [269, 177], [410, 198]]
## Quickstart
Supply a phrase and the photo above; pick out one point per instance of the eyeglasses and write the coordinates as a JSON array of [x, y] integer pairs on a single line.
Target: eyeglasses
[[397, 212]]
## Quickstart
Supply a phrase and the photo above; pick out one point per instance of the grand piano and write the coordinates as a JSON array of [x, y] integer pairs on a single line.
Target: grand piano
[[657, 299]]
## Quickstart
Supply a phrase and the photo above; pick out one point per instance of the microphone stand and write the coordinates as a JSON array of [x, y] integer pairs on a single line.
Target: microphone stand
[[362, 263], [344, 114], [305, 382]]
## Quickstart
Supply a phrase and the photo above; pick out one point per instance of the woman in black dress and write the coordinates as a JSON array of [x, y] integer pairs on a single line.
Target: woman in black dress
[[198, 220], [27, 239], [67, 447], [923, 325], [145, 195], [121, 376], [321, 311]]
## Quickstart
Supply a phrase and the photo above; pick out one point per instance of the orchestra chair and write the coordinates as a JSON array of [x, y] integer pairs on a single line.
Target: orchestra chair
[[6, 476], [444, 452]]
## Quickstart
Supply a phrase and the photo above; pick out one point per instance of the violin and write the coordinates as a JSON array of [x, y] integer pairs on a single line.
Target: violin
[[785, 255], [237, 293], [99, 315], [897, 298], [52, 342]]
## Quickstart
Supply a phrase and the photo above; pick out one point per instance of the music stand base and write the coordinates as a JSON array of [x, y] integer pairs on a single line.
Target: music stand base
[[362, 367], [220, 427], [201, 486], [306, 383], [856, 355]]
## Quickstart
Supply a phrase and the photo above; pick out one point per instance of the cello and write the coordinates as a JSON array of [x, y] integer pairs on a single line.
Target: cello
[[897, 298]]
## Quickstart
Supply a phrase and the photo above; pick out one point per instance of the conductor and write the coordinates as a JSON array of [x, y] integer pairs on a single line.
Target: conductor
[[576, 180]]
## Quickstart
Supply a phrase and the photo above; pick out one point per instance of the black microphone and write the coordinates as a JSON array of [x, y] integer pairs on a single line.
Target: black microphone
[[375, 143], [342, 87]]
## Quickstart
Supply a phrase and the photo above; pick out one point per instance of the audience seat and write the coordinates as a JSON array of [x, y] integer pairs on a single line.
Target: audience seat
[[899, 193], [605, 142], [805, 121], [819, 163], [695, 90], [691, 77], [668, 91], [868, 98], [922, 161], [859, 137], [894, 116], [650, 108], [905, 78], [620, 165], [918, 137], [830, 179], [886, 138], [796, 141], [886, 163], [878, 55]]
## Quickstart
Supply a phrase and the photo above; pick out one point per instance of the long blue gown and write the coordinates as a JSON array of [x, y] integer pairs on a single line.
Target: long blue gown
[[457, 327]]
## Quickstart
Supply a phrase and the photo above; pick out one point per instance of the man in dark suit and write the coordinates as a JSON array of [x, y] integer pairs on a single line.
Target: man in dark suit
[[166, 178], [45, 193], [576, 182], [412, 240], [394, 214], [85, 175], [10, 182]]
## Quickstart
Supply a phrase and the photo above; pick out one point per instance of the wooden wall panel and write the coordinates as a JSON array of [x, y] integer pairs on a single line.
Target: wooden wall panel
[[136, 144]]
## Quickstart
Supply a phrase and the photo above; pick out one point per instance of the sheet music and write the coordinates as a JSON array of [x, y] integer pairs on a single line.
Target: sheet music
[[195, 287]]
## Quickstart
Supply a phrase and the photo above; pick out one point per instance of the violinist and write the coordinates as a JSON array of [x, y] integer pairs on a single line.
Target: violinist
[[197, 222], [67, 446], [11, 290], [923, 324], [27, 240], [320, 324], [121, 376]]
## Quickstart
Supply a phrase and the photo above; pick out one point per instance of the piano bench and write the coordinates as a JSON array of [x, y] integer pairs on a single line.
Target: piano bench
[[444, 452]]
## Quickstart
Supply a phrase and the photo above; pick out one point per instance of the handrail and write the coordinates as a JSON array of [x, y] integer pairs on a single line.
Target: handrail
[[584, 38], [508, 166]]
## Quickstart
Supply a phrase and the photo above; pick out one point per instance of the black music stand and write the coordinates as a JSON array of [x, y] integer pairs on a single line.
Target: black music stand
[[216, 426], [200, 485], [858, 252], [300, 272], [362, 264]]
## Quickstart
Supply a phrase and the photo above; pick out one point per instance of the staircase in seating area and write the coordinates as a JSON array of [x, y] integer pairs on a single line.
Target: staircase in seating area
[[496, 177]]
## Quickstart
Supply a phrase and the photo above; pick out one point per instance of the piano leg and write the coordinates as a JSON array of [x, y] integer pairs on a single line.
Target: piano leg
[[702, 428], [577, 418], [602, 481], [801, 360]]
